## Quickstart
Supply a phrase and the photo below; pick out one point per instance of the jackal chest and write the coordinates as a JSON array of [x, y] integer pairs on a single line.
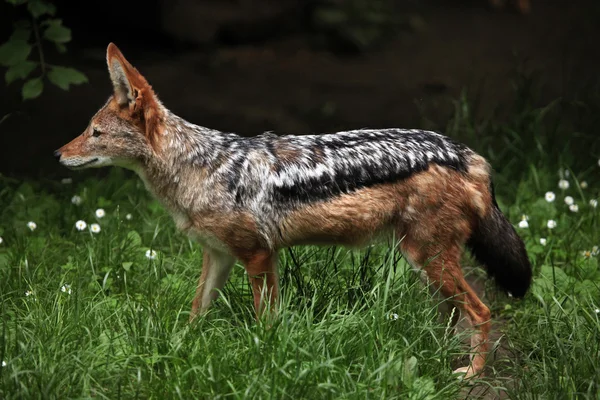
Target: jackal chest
[[199, 233]]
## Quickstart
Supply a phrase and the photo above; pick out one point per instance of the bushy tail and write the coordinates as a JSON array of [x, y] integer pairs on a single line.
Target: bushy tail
[[497, 246]]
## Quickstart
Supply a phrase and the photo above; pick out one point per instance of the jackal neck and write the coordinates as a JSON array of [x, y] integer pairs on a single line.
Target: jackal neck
[[186, 154]]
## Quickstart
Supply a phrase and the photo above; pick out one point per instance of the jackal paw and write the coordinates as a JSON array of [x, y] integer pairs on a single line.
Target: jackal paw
[[466, 372]]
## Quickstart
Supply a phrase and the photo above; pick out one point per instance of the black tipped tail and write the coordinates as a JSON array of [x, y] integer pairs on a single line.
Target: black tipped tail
[[497, 246]]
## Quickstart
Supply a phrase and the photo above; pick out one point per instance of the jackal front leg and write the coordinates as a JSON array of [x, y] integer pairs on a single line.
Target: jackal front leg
[[216, 267]]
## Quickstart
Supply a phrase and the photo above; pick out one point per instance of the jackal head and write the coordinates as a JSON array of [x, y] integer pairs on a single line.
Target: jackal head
[[124, 131]]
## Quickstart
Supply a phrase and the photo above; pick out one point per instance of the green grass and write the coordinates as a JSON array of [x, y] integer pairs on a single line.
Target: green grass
[[87, 314], [122, 331]]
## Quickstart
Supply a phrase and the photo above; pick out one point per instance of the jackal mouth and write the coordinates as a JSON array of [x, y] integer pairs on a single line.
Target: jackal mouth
[[84, 164]]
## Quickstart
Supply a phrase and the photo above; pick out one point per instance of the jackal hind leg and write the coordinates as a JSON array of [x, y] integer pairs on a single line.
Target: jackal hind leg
[[442, 267]]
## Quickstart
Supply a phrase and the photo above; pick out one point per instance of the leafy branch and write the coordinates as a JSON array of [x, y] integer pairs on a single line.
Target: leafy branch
[[29, 34]]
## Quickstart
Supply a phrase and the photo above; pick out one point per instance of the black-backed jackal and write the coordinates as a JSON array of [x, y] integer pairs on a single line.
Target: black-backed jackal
[[246, 198]]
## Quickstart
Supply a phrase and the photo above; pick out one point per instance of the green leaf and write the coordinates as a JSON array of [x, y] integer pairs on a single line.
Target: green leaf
[[56, 32], [61, 48], [19, 71], [63, 77], [22, 24], [22, 34], [134, 238], [32, 88], [542, 286], [557, 276], [586, 289], [328, 17], [537, 249], [37, 8], [410, 371], [13, 52], [127, 265], [423, 389], [589, 270], [69, 266]]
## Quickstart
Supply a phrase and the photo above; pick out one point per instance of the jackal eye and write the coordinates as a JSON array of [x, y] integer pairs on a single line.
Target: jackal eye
[[96, 132]]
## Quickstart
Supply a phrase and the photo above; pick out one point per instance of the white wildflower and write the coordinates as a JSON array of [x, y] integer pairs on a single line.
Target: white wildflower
[[76, 200], [567, 173], [80, 225], [586, 254], [151, 254], [550, 196], [563, 184], [551, 224], [594, 203], [95, 228], [66, 288], [595, 250], [543, 241], [583, 184], [28, 293], [1, 240], [394, 316], [66, 181], [128, 217], [597, 310], [100, 213], [523, 223], [569, 200], [574, 207], [4, 363], [32, 225], [599, 162]]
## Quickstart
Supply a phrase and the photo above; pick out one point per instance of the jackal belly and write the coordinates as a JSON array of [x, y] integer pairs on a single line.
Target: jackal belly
[[354, 219], [412, 206]]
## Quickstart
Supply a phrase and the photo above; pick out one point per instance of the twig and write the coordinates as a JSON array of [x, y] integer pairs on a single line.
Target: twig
[[39, 45]]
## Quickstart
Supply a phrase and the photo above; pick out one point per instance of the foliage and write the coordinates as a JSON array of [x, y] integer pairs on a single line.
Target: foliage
[[15, 54], [357, 25]]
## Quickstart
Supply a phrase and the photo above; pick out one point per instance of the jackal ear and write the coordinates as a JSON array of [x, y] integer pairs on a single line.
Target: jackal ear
[[132, 89], [121, 74]]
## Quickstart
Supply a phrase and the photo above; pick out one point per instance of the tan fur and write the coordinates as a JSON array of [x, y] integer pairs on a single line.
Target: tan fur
[[237, 231], [262, 272], [440, 196]]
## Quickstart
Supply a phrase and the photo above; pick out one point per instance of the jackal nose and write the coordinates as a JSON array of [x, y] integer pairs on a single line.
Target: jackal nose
[[57, 154]]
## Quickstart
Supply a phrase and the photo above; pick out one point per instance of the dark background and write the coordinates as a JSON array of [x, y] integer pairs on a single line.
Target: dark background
[[251, 66]]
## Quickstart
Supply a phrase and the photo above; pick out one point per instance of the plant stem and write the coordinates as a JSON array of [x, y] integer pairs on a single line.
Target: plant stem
[[39, 45]]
